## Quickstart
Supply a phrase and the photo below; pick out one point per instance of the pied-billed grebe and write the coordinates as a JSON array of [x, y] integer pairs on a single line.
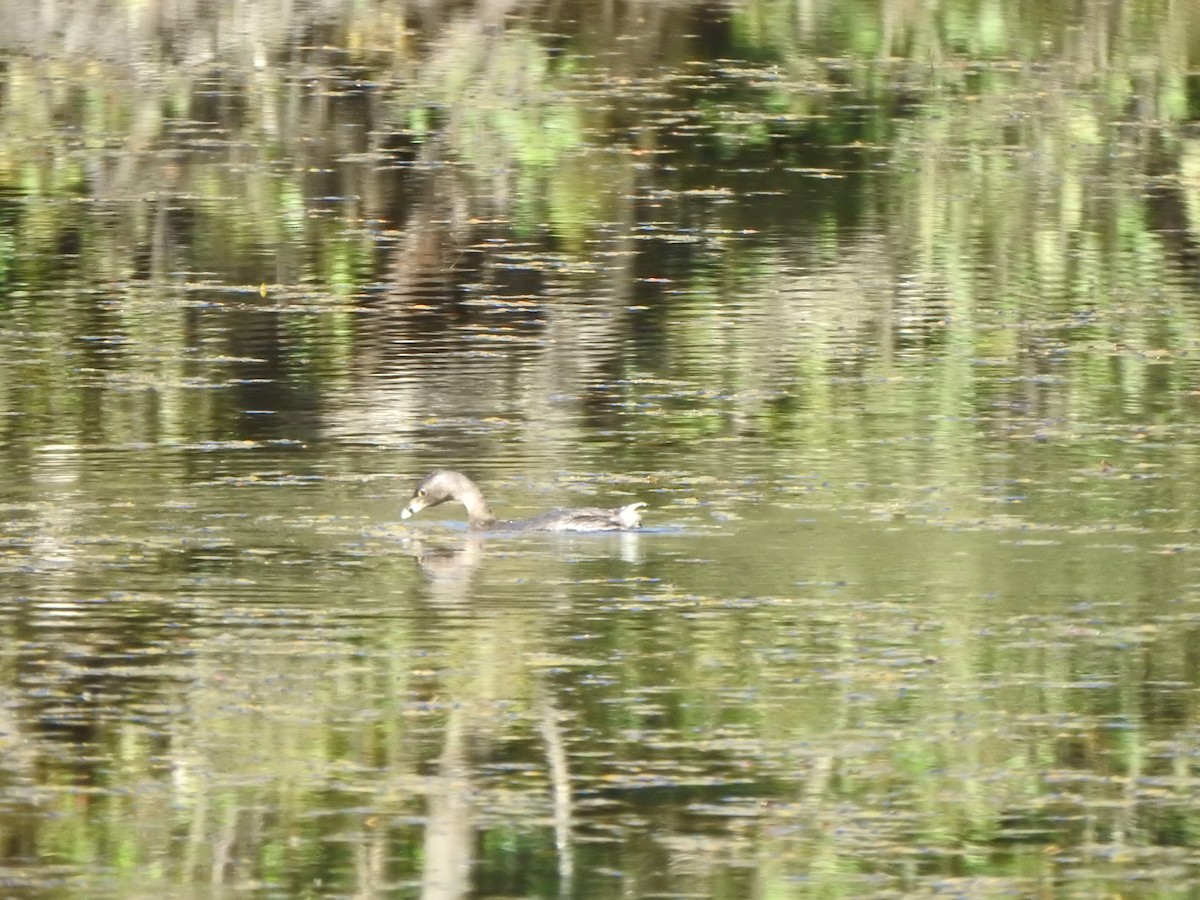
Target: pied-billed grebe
[[444, 484]]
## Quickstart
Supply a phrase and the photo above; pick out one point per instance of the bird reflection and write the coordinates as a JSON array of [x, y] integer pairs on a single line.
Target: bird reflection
[[449, 569], [452, 791]]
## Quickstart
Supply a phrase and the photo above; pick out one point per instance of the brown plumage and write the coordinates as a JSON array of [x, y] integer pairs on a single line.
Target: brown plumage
[[444, 484]]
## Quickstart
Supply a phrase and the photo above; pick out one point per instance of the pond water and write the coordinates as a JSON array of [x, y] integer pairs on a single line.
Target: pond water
[[888, 312]]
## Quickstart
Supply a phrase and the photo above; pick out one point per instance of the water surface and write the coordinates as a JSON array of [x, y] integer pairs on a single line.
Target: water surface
[[888, 314]]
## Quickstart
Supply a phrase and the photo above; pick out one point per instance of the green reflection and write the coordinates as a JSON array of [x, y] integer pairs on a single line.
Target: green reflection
[[886, 309]]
